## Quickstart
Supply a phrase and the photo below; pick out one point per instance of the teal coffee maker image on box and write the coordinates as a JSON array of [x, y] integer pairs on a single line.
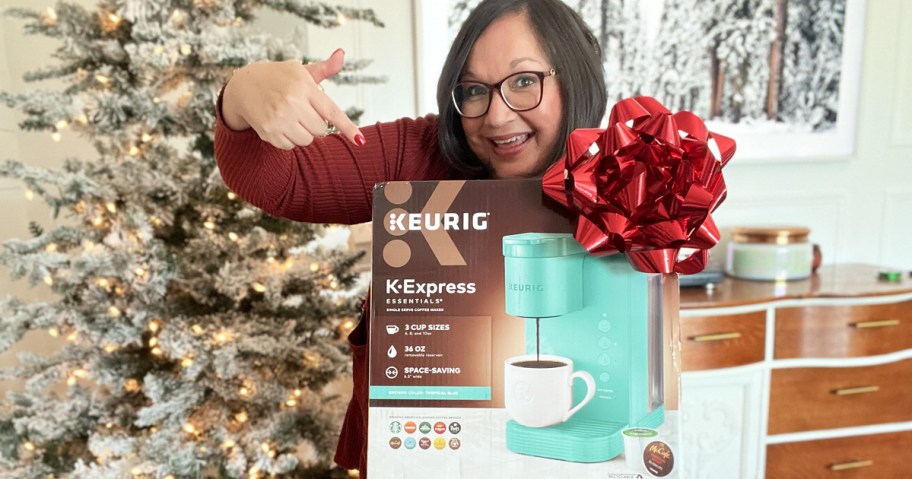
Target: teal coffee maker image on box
[[593, 343]]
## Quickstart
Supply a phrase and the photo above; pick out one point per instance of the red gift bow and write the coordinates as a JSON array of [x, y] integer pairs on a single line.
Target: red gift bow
[[648, 190]]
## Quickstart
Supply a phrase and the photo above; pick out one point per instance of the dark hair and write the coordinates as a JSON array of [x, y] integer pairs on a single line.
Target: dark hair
[[572, 50]]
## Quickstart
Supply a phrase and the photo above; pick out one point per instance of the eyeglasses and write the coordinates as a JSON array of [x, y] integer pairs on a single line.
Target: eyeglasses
[[521, 91]]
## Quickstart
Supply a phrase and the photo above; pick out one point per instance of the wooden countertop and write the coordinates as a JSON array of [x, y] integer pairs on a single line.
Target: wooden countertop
[[845, 280]]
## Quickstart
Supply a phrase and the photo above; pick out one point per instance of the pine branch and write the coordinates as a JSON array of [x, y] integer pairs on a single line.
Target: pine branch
[[322, 14]]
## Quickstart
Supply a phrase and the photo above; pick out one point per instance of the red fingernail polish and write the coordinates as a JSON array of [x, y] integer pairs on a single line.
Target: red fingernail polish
[[360, 140]]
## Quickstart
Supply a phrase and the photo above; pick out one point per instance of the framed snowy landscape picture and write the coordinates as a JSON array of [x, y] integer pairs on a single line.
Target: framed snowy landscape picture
[[779, 76]]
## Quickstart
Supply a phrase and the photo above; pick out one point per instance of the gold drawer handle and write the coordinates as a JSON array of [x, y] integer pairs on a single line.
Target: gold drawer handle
[[716, 337], [876, 324], [851, 465], [858, 390]]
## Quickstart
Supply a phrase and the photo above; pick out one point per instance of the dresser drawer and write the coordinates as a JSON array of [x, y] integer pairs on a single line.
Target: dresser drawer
[[807, 399], [710, 342], [843, 331], [875, 456]]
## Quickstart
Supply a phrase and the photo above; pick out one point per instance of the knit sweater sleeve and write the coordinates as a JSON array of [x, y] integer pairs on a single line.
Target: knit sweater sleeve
[[330, 180]]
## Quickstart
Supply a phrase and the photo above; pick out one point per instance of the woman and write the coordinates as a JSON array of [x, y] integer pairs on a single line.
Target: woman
[[521, 75]]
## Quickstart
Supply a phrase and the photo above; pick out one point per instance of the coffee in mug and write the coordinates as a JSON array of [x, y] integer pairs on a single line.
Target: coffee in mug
[[539, 389], [539, 364]]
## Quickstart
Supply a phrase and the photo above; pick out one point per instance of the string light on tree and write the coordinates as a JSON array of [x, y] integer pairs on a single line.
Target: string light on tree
[[241, 417], [131, 386], [311, 359], [224, 336], [109, 22], [49, 17], [346, 327]]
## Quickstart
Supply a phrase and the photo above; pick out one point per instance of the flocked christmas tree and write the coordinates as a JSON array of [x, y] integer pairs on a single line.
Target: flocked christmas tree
[[200, 333]]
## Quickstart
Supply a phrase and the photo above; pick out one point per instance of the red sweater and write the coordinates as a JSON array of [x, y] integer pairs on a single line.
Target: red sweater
[[331, 181]]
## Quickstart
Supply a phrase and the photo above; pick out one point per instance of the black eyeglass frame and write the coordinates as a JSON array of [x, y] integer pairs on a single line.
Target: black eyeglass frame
[[499, 87]]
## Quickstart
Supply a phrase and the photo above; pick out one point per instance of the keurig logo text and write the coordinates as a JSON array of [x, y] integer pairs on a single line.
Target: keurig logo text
[[434, 222], [521, 287]]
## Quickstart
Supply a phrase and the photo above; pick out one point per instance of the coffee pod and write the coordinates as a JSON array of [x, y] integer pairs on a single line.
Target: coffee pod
[[635, 438]]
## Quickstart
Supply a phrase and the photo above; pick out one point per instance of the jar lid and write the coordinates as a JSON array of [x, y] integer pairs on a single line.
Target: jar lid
[[770, 234]]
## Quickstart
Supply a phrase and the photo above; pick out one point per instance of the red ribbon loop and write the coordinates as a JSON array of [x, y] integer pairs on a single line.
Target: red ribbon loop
[[645, 186]]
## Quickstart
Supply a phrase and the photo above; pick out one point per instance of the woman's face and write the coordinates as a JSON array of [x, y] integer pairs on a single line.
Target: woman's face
[[512, 144]]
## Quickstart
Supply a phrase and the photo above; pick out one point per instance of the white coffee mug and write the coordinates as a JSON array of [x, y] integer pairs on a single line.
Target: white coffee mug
[[542, 396]]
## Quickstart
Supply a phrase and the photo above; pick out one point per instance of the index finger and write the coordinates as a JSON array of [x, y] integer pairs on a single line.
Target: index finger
[[333, 114]]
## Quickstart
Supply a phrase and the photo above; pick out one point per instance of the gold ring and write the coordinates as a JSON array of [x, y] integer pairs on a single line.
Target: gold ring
[[330, 129]]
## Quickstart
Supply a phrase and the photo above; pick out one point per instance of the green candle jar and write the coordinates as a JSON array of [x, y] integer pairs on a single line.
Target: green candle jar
[[773, 253]]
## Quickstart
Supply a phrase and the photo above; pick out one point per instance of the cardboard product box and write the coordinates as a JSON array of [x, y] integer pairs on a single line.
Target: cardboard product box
[[500, 348]]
